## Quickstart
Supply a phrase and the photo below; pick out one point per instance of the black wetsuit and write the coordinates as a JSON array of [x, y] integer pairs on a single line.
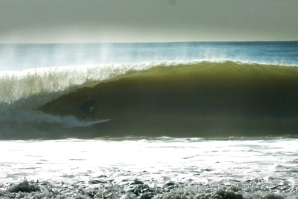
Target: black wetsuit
[[89, 107]]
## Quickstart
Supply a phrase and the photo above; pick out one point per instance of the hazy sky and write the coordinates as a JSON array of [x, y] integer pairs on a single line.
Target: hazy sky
[[36, 21]]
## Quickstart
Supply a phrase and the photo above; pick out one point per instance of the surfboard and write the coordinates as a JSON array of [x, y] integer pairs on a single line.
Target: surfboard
[[97, 121]]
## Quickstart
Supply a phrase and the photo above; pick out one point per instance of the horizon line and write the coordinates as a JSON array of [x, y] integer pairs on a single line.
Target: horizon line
[[156, 42]]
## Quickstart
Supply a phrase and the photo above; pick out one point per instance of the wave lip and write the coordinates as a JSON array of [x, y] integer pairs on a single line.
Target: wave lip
[[195, 99]]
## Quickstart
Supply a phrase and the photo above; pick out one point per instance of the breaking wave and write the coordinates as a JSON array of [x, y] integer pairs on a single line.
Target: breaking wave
[[203, 98]]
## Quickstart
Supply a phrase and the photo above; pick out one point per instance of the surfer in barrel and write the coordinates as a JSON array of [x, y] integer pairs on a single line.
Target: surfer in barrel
[[90, 107]]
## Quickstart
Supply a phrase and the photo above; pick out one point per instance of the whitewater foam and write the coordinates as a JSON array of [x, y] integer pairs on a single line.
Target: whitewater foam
[[165, 167]]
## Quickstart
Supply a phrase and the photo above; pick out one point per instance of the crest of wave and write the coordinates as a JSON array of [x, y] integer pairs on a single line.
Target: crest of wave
[[43, 84], [23, 91]]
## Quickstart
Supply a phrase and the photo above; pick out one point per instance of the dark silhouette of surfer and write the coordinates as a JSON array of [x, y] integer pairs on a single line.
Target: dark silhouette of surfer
[[89, 107]]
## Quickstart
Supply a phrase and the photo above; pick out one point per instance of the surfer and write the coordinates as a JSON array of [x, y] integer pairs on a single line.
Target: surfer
[[89, 107]]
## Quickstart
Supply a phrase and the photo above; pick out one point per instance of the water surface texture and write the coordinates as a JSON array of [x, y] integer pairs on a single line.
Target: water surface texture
[[187, 120]]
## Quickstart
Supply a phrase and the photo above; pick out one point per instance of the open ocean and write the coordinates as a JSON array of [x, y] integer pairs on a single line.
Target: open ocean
[[208, 120]]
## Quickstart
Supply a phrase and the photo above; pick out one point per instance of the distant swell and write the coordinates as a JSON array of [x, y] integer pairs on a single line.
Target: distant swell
[[201, 99]]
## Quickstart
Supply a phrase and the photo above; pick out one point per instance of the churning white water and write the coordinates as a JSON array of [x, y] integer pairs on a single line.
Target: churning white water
[[156, 162]]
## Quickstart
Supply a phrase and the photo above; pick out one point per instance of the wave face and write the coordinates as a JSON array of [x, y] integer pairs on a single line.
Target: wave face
[[198, 99], [174, 89], [22, 92]]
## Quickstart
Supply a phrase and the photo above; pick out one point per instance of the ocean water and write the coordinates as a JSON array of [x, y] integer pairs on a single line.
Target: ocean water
[[187, 120]]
